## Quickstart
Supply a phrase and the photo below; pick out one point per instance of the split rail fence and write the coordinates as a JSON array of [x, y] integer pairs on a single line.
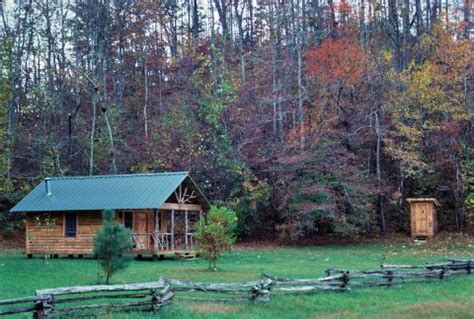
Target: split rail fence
[[78, 301]]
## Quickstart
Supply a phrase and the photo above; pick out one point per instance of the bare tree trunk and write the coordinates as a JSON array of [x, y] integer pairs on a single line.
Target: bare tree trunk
[[332, 14], [111, 141], [250, 24], [446, 11], [362, 27], [70, 118], [301, 115], [195, 19], [434, 12], [275, 93], [145, 106], [458, 197], [394, 30], [419, 18], [401, 179], [378, 170], [275, 89], [238, 16], [369, 153], [221, 7], [211, 19], [406, 33], [428, 15], [467, 9], [92, 133], [9, 143], [174, 33]]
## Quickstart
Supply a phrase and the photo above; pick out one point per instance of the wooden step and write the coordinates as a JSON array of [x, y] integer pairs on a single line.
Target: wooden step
[[185, 255]]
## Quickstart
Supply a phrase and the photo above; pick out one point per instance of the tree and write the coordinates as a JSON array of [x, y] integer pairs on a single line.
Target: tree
[[248, 95], [5, 93], [216, 234], [468, 172], [110, 244]]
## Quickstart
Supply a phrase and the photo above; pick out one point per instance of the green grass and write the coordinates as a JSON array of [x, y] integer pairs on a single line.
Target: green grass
[[452, 298]]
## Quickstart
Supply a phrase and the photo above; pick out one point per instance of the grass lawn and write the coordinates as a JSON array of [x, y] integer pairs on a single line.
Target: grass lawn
[[452, 298]]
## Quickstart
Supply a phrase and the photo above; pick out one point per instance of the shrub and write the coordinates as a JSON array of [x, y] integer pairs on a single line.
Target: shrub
[[216, 234], [11, 225], [110, 244]]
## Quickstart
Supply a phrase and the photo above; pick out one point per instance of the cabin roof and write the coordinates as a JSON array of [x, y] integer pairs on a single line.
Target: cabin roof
[[98, 192]]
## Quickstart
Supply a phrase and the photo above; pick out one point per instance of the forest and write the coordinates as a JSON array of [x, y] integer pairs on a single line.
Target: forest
[[307, 117]]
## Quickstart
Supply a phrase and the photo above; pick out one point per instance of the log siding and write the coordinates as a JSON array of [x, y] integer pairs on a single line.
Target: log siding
[[41, 239], [51, 239]]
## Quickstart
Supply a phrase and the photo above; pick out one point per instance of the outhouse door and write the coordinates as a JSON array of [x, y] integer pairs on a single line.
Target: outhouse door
[[422, 219]]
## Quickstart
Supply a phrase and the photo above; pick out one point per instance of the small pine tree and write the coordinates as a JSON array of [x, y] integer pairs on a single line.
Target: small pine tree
[[216, 234], [110, 244]]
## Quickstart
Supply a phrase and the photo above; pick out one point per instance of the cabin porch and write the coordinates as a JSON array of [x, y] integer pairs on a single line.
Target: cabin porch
[[165, 230]]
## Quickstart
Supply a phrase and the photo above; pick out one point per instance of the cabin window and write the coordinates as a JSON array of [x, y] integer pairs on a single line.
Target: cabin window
[[128, 219], [70, 229]]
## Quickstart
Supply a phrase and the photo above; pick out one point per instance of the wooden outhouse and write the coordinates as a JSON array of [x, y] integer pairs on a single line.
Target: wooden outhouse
[[160, 209], [424, 220]]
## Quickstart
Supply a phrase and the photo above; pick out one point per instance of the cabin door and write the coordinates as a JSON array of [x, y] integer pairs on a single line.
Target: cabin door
[[422, 219], [140, 227]]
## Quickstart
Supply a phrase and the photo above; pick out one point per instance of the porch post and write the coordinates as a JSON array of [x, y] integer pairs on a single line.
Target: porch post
[[156, 230], [172, 229], [186, 228], [157, 221]]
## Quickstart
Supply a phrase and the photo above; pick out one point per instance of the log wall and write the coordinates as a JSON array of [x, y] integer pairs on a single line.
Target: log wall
[[51, 240]]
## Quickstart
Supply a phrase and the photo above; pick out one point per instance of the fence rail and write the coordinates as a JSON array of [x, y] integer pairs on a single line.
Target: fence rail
[[48, 303], [252, 291]]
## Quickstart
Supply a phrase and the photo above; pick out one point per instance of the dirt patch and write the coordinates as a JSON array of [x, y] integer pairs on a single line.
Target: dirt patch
[[212, 308], [432, 306], [340, 314], [441, 240], [437, 309]]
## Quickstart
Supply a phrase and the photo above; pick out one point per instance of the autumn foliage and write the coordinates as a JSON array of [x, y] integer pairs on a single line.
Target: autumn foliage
[[307, 118], [340, 61]]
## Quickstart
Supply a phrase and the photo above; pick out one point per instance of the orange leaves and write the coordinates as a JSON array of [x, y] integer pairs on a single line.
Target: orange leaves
[[341, 60], [344, 8]]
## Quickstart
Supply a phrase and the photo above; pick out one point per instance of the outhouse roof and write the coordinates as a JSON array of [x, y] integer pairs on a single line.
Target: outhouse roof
[[427, 199], [129, 191]]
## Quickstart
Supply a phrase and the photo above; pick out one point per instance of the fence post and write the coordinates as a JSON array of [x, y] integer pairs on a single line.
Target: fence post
[[389, 278], [155, 299], [441, 273], [345, 280], [261, 291], [43, 307], [166, 295]]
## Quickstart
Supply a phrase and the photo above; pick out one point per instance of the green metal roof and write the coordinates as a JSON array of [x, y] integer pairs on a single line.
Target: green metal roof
[[131, 191]]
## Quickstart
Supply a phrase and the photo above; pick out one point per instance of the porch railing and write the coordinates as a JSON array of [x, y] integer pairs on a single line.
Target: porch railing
[[191, 242], [160, 241]]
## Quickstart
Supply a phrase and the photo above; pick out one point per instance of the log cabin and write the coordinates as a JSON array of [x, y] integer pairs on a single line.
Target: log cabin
[[160, 209]]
